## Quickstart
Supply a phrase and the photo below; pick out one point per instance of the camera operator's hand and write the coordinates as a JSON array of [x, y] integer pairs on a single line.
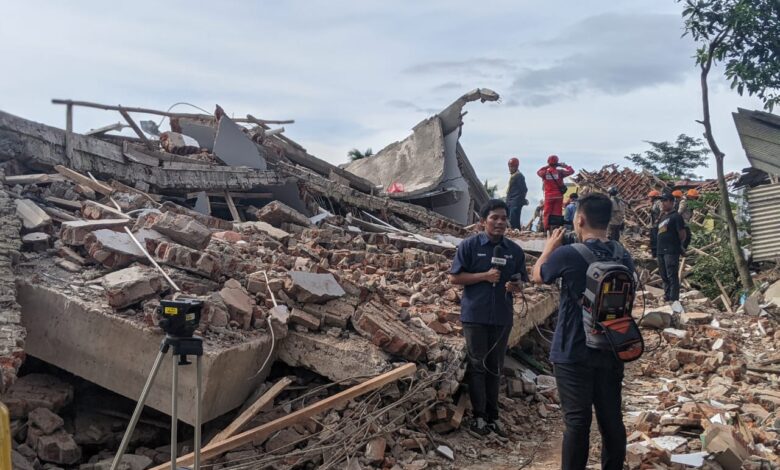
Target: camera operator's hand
[[492, 276], [554, 240], [514, 287]]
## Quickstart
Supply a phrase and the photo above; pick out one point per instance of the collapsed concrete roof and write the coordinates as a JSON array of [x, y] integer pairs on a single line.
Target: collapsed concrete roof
[[430, 165], [759, 133]]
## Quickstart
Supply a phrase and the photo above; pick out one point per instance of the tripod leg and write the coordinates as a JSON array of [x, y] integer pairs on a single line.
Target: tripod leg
[[198, 379], [138, 409], [174, 411]]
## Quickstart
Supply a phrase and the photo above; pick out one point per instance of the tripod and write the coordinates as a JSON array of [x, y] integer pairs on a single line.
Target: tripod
[[183, 346]]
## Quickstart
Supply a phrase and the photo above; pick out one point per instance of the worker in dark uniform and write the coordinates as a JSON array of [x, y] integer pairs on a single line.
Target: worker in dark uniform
[[671, 235], [515, 193], [484, 265]]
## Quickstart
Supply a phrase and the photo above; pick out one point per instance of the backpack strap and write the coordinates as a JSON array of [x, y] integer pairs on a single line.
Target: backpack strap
[[618, 252], [585, 252]]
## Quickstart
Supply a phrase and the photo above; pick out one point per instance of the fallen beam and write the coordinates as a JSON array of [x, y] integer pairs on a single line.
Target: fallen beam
[[251, 412], [85, 180], [214, 450]]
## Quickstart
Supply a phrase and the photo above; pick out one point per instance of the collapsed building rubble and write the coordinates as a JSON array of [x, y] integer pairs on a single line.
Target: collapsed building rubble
[[360, 281]]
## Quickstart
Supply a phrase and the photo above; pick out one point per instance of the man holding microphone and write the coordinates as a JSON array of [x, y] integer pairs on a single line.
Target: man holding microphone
[[490, 268]]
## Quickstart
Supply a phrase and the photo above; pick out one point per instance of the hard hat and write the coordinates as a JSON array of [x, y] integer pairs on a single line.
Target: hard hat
[[677, 193], [552, 159], [514, 162], [693, 194], [654, 193], [613, 191]]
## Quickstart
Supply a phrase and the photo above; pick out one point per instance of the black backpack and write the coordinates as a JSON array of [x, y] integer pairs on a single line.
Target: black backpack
[[610, 289]]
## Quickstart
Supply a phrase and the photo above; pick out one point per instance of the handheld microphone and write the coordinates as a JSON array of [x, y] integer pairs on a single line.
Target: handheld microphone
[[498, 261]]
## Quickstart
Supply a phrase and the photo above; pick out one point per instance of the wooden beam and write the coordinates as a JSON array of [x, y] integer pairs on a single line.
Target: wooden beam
[[263, 122], [32, 179], [261, 432], [59, 215], [136, 129], [69, 132], [726, 301], [232, 206], [66, 203], [117, 126], [87, 104], [251, 412], [233, 194], [85, 180]]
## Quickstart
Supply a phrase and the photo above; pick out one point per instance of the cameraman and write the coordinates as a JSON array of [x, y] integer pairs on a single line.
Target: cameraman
[[486, 308], [587, 378]]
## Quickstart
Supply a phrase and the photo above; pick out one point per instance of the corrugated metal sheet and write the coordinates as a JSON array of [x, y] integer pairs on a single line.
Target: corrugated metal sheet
[[759, 133], [764, 208]]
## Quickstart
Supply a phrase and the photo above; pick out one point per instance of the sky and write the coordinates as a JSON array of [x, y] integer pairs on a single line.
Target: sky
[[588, 81]]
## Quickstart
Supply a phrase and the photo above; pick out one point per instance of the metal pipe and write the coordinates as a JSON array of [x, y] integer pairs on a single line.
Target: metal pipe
[[174, 410]]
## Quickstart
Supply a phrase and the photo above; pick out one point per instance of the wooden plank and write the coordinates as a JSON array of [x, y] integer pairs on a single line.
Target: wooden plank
[[69, 132], [85, 180], [460, 410], [232, 206], [32, 179], [251, 412], [136, 129], [724, 295], [66, 203], [213, 450], [117, 126], [60, 215], [233, 194]]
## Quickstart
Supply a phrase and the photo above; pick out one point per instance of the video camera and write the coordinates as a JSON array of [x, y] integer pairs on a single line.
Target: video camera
[[179, 317]]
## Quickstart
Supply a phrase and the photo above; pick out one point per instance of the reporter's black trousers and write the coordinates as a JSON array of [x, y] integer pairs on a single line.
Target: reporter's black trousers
[[595, 383], [486, 350]]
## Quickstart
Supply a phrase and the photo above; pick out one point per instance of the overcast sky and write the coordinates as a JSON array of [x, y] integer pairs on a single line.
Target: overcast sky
[[588, 81]]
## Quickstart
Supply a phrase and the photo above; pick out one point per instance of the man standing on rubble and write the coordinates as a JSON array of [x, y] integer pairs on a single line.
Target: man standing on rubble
[[552, 176], [670, 238], [484, 265], [515, 193], [587, 378], [616, 223]]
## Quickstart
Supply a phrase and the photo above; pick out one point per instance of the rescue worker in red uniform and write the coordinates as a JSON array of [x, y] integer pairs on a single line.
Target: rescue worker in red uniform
[[552, 177]]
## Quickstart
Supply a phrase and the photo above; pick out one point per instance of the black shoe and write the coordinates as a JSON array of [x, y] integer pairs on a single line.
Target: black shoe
[[495, 426], [479, 426]]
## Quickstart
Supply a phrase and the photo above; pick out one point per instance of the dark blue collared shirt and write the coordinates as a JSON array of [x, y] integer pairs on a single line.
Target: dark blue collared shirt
[[482, 302]]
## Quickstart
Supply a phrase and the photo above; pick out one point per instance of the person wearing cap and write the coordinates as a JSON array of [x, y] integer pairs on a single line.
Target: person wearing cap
[[685, 211], [669, 246], [515, 193], [552, 176], [617, 221], [569, 211]]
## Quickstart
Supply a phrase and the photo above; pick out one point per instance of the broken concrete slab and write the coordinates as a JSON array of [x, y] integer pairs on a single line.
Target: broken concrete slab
[[33, 217], [339, 359], [74, 233], [235, 148], [181, 229], [695, 318], [276, 213], [312, 287], [772, 294], [240, 305], [332, 313], [120, 356], [188, 259], [214, 223], [132, 285], [112, 249], [200, 131], [36, 241], [264, 227]]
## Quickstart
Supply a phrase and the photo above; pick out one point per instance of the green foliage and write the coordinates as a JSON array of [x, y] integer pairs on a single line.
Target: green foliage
[[673, 161], [356, 154], [491, 189], [720, 265], [743, 36]]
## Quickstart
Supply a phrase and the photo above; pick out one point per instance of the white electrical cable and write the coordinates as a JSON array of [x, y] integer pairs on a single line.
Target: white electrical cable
[[270, 327]]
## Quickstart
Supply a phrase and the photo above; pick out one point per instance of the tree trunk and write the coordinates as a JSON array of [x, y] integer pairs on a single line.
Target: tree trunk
[[731, 223]]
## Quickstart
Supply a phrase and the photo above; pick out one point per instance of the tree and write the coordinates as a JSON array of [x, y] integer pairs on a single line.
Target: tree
[[742, 36], [491, 189], [673, 160], [356, 154]]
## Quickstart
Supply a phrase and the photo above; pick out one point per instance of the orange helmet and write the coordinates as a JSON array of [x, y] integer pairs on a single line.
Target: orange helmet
[[654, 193], [693, 194], [677, 193]]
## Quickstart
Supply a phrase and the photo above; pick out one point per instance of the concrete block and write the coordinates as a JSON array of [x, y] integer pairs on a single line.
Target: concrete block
[[132, 285], [335, 358], [307, 320], [276, 213], [235, 148], [45, 420], [36, 241], [695, 318], [74, 233], [182, 229], [310, 287], [213, 223], [239, 304], [188, 259], [332, 313], [59, 448], [381, 325], [112, 249], [689, 356], [33, 217], [119, 358], [264, 227]]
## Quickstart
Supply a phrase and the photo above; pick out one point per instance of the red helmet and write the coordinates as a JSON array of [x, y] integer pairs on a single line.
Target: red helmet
[[552, 159], [514, 162]]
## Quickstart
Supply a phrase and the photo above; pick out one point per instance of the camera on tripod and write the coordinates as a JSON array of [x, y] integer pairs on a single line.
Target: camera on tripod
[[179, 317]]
